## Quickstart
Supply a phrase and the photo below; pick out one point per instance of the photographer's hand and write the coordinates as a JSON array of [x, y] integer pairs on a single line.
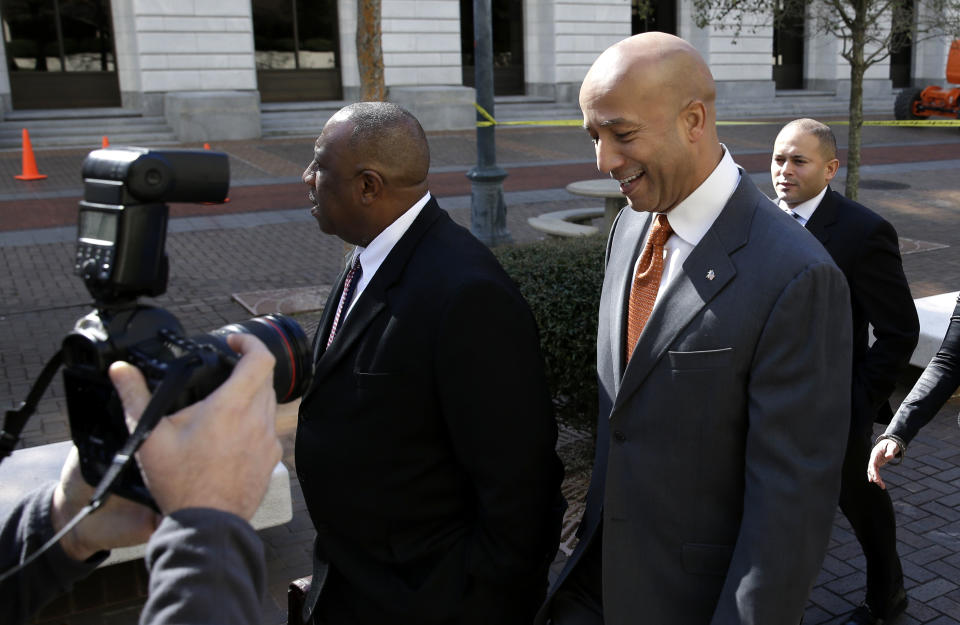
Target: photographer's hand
[[119, 523], [218, 453]]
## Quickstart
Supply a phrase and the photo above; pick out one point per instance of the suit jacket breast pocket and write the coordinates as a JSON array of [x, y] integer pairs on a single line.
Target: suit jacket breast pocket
[[394, 393], [378, 391], [701, 360], [706, 559], [374, 382]]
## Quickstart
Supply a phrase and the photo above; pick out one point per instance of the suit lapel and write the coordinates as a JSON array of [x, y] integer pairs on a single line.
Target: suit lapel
[[823, 219], [705, 272], [374, 297], [629, 235]]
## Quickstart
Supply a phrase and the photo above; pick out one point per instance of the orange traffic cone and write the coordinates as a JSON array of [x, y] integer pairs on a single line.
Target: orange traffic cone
[[105, 143], [29, 162], [206, 146]]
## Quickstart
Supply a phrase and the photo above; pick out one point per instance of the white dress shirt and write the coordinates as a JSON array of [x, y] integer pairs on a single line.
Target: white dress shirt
[[692, 217], [372, 256], [805, 210]]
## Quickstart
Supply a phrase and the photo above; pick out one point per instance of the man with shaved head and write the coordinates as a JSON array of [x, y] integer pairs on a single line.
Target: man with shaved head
[[865, 247], [425, 443], [723, 356]]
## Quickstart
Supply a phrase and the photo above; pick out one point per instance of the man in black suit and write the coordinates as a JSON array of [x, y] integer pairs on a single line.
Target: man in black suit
[[864, 246], [425, 444]]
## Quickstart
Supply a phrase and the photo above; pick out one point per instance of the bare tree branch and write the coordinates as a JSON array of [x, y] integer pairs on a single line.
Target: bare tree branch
[[868, 32]]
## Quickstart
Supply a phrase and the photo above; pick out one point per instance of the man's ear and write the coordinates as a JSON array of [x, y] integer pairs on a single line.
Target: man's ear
[[371, 185], [831, 169], [694, 119]]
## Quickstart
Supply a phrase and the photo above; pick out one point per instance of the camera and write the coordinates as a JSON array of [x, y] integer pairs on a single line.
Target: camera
[[121, 256]]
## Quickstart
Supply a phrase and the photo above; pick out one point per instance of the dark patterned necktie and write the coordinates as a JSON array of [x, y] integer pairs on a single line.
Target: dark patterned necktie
[[349, 286], [646, 281]]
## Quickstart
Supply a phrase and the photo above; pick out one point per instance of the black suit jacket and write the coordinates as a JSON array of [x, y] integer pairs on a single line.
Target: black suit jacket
[[864, 245], [425, 444]]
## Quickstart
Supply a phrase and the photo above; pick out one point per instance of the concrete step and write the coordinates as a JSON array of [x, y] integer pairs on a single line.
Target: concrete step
[[785, 104], [296, 119], [307, 118], [287, 124], [288, 119], [84, 127], [78, 113], [804, 104], [320, 105], [299, 131], [38, 131], [99, 122], [91, 139], [533, 108], [544, 112]]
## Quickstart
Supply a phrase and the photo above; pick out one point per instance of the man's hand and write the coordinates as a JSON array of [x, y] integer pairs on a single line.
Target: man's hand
[[883, 452], [118, 523], [218, 453]]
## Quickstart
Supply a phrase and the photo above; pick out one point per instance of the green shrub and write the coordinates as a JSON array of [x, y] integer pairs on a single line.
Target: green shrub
[[561, 280]]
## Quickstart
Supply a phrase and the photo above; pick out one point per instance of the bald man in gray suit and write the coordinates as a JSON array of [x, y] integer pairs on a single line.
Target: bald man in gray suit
[[719, 445]]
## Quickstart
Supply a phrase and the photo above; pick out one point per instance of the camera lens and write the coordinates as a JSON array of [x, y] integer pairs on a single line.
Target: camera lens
[[288, 343]]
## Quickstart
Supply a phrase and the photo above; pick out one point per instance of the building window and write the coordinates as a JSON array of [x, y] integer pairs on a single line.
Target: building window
[[788, 44], [653, 15], [58, 36], [295, 34], [60, 54], [506, 25], [297, 47]]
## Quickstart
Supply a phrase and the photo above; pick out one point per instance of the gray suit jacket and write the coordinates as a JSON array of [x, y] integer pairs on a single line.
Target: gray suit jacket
[[719, 448]]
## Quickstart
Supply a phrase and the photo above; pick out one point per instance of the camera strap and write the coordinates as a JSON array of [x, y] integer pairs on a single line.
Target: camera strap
[[177, 375], [15, 419]]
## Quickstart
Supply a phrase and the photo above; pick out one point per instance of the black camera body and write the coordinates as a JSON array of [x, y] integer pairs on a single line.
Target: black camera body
[[121, 256]]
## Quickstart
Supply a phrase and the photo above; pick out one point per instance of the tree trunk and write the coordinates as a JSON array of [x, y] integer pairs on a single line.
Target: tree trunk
[[857, 69], [369, 51]]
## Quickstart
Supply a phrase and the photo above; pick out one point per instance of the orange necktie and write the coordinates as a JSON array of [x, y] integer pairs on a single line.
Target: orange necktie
[[646, 282]]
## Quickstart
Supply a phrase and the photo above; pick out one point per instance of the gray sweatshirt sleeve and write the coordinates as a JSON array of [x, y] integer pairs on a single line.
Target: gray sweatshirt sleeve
[[206, 566], [24, 531]]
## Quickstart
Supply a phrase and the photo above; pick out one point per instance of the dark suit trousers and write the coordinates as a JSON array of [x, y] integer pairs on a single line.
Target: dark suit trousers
[[870, 512], [331, 608], [579, 601]]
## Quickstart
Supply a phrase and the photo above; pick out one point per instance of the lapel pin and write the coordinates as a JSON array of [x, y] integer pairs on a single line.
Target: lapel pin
[[711, 275]]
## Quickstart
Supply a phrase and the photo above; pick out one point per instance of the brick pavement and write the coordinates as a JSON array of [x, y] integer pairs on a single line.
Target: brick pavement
[[264, 239]]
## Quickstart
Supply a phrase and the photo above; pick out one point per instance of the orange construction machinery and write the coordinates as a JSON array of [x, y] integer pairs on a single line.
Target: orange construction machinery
[[917, 103]]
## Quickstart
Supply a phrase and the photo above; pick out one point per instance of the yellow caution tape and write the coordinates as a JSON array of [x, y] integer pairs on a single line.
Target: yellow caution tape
[[912, 122], [534, 122], [555, 122], [490, 121], [845, 122]]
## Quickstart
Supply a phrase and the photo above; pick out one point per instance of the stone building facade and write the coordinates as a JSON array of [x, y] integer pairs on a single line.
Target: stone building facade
[[207, 65]]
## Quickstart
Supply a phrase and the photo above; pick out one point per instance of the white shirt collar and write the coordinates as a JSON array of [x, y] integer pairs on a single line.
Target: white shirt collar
[[372, 256], [806, 209], [693, 216]]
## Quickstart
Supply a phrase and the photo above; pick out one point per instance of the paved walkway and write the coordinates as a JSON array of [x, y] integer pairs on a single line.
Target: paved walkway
[[265, 239]]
